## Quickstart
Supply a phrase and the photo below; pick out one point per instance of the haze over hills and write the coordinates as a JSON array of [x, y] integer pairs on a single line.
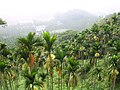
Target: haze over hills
[[59, 22], [71, 19]]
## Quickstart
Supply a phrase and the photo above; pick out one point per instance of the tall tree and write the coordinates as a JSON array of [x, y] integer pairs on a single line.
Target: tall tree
[[27, 46], [60, 57], [49, 41]]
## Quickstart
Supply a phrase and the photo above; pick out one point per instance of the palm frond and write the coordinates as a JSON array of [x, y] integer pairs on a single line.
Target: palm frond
[[23, 41], [49, 40], [43, 76], [46, 36], [38, 42], [59, 54], [30, 37], [73, 62], [37, 83]]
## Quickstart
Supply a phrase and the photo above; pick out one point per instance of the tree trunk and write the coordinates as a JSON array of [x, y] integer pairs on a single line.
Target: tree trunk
[[58, 83], [114, 83], [48, 86], [61, 76]]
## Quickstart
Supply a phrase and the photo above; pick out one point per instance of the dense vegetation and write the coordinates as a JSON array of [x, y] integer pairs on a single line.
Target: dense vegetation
[[87, 60]]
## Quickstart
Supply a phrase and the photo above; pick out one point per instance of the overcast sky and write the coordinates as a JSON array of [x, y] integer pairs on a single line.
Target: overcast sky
[[36, 7]]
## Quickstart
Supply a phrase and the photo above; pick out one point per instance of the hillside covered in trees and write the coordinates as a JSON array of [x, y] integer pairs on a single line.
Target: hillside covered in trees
[[72, 60]]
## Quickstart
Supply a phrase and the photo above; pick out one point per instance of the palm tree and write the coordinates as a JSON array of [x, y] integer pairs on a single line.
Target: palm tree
[[60, 57], [27, 46], [96, 75], [49, 41], [43, 77], [2, 74], [113, 70], [72, 68], [5, 67], [31, 81]]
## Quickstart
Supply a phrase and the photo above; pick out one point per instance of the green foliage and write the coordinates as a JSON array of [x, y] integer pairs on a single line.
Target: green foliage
[[30, 41], [30, 78], [86, 60], [49, 40], [59, 54]]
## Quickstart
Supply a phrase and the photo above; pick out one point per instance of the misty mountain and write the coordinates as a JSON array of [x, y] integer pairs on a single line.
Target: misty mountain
[[73, 19]]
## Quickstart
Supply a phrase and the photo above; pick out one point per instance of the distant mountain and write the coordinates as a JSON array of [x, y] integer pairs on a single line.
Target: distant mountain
[[70, 20], [73, 19]]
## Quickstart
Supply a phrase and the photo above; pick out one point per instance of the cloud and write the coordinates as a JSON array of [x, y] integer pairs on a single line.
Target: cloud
[[35, 7]]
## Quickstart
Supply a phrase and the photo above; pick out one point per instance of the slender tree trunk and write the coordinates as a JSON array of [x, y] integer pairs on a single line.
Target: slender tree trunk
[[114, 83], [61, 76], [43, 86], [67, 82], [6, 85], [10, 83], [51, 81], [48, 86], [58, 83]]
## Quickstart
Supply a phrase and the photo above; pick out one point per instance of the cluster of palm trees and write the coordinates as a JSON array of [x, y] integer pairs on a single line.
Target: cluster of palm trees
[[36, 75], [99, 43], [88, 60]]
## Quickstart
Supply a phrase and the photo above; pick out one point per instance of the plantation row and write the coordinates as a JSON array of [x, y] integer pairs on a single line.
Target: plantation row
[[87, 60]]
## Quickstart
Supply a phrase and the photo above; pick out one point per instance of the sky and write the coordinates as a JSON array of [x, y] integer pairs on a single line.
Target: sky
[[30, 8]]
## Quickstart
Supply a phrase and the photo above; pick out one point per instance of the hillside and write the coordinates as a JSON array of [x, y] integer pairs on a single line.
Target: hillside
[[100, 46], [72, 60]]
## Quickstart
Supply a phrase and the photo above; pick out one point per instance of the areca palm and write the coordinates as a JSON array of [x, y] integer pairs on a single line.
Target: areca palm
[[27, 46], [72, 68], [96, 75], [114, 59], [30, 41], [2, 71], [31, 81], [5, 67], [6, 76], [49, 41], [60, 57], [43, 77]]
